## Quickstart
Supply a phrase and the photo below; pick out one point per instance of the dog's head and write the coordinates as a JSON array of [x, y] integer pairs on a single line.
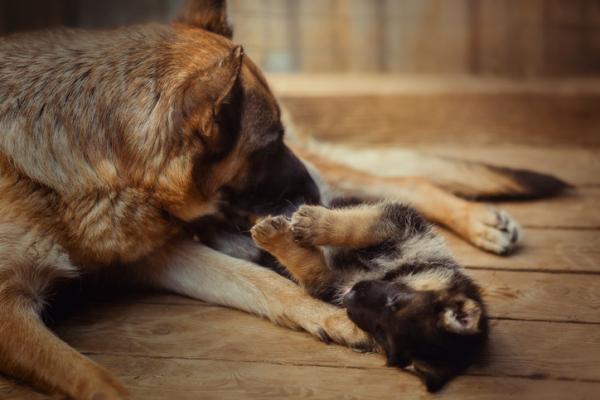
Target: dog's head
[[228, 111], [439, 332]]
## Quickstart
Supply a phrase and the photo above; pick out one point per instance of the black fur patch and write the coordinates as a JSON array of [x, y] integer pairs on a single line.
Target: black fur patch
[[405, 218], [533, 184], [345, 202]]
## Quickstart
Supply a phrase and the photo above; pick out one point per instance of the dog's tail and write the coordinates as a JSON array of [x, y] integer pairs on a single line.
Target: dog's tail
[[475, 180], [465, 178]]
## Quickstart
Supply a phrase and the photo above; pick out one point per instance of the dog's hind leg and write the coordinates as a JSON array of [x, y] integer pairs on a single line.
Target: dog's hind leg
[[194, 270], [28, 350], [305, 263], [481, 224]]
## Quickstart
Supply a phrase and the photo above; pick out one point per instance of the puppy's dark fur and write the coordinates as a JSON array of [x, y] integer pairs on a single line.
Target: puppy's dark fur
[[384, 263]]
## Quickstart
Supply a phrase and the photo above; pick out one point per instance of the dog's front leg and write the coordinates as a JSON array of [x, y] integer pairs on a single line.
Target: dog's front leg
[[28, 350], [197, 271]]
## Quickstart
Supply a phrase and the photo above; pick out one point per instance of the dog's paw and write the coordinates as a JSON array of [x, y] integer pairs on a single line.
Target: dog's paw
[[338, 328], [493, 230], [308, 225], [270, 230]]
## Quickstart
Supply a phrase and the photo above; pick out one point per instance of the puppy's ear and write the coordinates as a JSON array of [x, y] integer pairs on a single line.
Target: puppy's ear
[[206, 94], [462, 318], [210, 15]]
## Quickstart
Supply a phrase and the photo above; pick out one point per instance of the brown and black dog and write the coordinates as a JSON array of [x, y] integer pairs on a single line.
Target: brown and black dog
[[112, 142]]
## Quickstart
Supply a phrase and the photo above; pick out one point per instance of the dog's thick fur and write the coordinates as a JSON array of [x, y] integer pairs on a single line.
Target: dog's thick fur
[[111, 142], [383, 262]]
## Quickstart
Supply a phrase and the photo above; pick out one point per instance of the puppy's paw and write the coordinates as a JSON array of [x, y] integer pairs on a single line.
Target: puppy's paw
[[493, 230], [308, 225], [338, 328], [269, 231]]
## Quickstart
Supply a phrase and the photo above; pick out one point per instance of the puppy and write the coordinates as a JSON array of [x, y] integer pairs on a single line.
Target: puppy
[[393, 274]]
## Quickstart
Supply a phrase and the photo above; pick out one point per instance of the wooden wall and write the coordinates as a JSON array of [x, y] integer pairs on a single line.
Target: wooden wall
[[517, 38], [512, 38]]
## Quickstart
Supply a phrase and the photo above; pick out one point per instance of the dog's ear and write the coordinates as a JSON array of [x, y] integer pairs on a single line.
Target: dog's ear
[[210, 15], [462, 318], [205, 96]]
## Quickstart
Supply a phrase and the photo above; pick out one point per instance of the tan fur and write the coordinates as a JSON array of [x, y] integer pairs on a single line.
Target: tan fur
[[306, 263], [294, 244], [102, 139], [203, 273], [347, 227], [480, 224]]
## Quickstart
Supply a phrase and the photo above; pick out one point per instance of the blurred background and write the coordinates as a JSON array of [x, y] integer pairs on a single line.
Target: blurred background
[[420, 73], [504, 38]]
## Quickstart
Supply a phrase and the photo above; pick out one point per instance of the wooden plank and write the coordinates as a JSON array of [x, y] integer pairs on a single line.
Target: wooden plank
[[260, 380], [448, 119], [310, 85], [438, 41], [517, 348], [543, 350], [316, 38], [150, 378], [577, 210], [519, 295], [250, 27], [540, 296], [365, 37], [11, 390], [192, 331], [542, 250]]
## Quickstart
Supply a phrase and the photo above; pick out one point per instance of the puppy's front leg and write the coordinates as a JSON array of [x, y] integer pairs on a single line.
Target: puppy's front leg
[[353, 227], [197, 271], [306, 263], [483, 225]]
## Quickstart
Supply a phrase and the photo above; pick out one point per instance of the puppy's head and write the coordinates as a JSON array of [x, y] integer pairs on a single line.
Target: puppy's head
[[229, 113], [439, 332]]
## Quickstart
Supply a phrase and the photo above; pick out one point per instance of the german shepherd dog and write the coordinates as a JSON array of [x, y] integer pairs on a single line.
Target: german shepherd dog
[[384, 264], [111, 143]]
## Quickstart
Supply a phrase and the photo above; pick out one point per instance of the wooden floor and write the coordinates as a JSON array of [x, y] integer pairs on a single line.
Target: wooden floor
[[544, 300]]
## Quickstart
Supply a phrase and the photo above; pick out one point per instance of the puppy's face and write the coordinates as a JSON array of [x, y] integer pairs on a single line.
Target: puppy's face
[[439, 332]]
